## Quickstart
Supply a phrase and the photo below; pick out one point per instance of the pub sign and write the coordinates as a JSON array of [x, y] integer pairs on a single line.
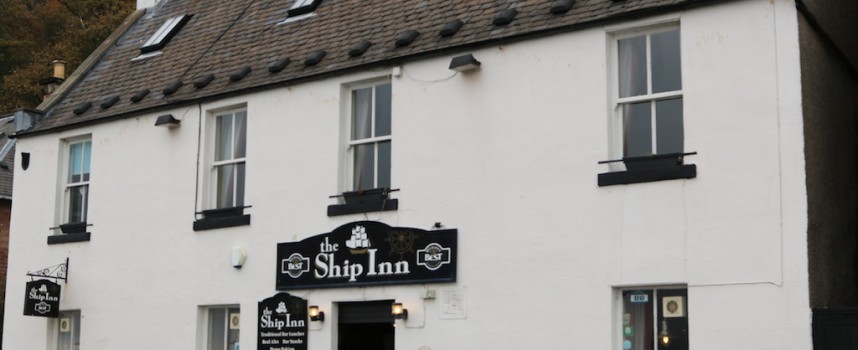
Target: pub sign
[[368, 253], [42, 298], [282, 323]]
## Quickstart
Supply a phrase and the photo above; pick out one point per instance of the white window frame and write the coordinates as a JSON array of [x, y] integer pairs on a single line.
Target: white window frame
[[617, 320], [616, 102], [205, 325], [65, 182], [210, 194], [348, 183]]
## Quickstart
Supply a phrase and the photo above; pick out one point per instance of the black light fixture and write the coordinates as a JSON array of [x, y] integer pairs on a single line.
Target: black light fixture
[[664, 335], [398, 312], [464, 63], [167, 120], [315, 314]]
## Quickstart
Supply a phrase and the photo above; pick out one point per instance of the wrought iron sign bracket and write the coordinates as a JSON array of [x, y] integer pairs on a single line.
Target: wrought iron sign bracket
[[56, 272]]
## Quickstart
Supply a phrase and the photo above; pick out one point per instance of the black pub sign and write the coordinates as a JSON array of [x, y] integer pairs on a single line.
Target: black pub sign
[[368, 253], [282, 323], [42, 298]]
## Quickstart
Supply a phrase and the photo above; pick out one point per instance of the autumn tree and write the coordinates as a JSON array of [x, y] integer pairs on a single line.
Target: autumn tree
[[33, 33]]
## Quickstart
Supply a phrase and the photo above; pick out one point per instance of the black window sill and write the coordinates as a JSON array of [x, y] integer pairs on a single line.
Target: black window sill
[[221, 218], [69, 238], [648, 175], [365, 207]]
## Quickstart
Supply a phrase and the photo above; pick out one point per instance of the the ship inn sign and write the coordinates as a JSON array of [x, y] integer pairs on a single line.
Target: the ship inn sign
[[42, 299], [368, 253]]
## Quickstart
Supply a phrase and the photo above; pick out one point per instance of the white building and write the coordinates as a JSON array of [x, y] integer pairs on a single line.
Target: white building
[[180, 168]]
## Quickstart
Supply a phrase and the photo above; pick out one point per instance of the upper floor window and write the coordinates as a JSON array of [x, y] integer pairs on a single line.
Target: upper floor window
[[228, 165], [649, 86], [369, 144], [77, 181], [647, 121]]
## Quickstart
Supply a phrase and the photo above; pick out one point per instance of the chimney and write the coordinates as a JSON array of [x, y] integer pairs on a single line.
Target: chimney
[[49, 85]]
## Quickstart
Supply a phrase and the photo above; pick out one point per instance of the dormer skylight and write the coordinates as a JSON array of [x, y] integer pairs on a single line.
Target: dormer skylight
[[300, 10], [167, 31]]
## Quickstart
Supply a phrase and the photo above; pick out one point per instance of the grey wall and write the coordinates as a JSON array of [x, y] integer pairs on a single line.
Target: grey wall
[[830, 92]]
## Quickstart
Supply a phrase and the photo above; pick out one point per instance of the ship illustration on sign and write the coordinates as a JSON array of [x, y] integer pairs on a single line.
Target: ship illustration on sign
[[358, 243]]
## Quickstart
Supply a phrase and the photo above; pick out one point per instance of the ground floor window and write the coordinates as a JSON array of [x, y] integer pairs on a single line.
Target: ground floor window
[[223, 328], [68, 330], [365, 326], [654, 319]]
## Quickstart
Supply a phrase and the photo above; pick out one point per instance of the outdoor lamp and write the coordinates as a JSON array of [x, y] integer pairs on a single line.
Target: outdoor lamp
[[399, 312], [664, 335], [315, 314], [464, 63]]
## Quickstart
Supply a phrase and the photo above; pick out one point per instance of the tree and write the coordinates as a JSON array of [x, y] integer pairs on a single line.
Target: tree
[[33, 33]]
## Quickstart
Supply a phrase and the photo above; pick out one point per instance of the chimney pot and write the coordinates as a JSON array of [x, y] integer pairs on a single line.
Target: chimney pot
[[59, 69]]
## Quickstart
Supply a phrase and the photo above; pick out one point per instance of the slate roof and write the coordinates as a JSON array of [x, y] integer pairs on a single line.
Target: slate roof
[[225, 37]]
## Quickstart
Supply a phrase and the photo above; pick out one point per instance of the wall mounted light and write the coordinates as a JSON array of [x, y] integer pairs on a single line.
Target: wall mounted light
[[464, 63], [315, 314], [167, 120], [399, 312], [664, 335]]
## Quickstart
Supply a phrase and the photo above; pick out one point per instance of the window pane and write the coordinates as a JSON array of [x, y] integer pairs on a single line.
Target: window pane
[[637, 324], [669, 135], [75, 162], [217, 329], [637, 129], [225, 190], [223, 137], [632, 61], [362, 113], [87, 148], [384, 164], [240, 134], [239, 185], [666, 66], [68, 331], [382, 110], [77, 203], [364, 167], [232, 337]]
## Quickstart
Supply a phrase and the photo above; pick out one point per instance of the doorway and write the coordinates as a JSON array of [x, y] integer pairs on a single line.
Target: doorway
[[365, 326]]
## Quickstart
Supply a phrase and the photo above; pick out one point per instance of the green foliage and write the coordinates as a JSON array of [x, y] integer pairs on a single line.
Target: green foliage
[[33, 33]]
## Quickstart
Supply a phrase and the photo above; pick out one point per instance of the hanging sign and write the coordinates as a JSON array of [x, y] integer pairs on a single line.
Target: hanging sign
[[282, 323], [42, 298], [367, 253]]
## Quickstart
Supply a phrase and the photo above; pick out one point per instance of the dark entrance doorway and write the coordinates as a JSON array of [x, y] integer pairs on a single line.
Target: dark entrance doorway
[[365, 326]]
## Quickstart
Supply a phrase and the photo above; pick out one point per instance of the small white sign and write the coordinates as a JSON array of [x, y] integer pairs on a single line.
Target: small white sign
[[639, 298], [673, 307], [65, 325], [234, 321]]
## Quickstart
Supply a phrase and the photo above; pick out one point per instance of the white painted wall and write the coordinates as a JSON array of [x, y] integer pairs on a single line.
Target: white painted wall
[[508, 155]]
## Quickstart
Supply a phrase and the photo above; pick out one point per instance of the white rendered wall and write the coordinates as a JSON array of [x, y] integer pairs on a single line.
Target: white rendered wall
[[508, 156]]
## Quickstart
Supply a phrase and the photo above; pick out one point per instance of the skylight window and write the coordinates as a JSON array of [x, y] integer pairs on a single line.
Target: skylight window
[[300, 7], [167, 31]]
